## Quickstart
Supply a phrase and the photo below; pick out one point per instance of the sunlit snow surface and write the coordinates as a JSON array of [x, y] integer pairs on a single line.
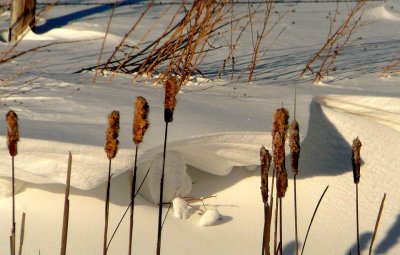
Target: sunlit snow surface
[[212, 144]]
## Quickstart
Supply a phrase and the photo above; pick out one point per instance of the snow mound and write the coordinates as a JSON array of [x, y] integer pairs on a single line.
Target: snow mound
[[209, 217], [384, 12], [181, 208]]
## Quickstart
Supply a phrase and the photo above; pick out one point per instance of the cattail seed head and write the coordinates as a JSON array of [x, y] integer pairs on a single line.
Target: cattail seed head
[[112, 131], [294, 143], [280, 122], [171, 89], [12, 132], [140, 121], [265, 158], [356, 160], [279, 165]]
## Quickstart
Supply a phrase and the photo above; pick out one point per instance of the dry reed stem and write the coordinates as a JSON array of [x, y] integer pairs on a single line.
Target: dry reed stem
[[112, 131], [140, 121], [313, 217], [294, 143], [392, 68], [356, 160], [22, 234], [171, 89], [12, 132], [64, 232], [104, 42], [378, 219]]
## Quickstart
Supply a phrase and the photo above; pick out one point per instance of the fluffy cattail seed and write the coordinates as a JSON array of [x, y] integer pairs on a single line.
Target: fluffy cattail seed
[[112, 131], [140, 122], [12, 132], [171, 89], [280, 122], [356, 160], [294, 143], [265, 158]]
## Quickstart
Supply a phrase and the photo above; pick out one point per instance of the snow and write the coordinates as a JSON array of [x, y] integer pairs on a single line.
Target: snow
[[181, 208], [210, 217], [213, 143]]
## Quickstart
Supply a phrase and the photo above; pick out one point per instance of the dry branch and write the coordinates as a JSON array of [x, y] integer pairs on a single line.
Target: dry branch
[[335, 43]]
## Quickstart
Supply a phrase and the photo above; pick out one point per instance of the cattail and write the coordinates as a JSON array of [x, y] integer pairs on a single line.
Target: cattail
[[280, 122], [356, 160], [112, 131], [279, 164], [294, 143], [12, 132], [265, 158], [171, 89], [140, 122]]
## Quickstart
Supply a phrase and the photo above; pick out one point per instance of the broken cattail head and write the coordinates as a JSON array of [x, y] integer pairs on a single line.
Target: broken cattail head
[[356, 160], [171, 89], [12, 132], [265, 158], [294, 143], [140, 121], [280, 122], [112, 132]]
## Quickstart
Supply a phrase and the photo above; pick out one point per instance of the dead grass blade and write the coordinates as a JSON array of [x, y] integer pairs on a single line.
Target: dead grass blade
[[377, 224], [312, 218], [64, 234]]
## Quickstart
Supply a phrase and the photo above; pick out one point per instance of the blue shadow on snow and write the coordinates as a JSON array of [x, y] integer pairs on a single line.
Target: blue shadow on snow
[[64, 20]]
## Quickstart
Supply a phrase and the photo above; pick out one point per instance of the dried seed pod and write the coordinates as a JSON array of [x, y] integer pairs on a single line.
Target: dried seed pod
[[140, 121], [112, 132], [279, 165], [265, 158], [356, 160], [280, 122], [12, 132], [171, 89], [294, 143]]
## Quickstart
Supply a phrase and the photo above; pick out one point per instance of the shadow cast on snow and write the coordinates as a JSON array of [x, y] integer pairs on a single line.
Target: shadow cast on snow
[[64, 20]]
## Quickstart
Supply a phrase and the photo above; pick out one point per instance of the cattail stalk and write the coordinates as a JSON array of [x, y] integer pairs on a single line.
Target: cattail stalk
[[22, 234], [64, 234], [171, 89], [294, 143], [279, 135], [140, 125], [356, 162], [12, 140], [110, 148], [265, 158]]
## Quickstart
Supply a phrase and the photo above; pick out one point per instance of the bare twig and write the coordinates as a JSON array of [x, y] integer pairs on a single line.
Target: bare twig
[[66, 208]]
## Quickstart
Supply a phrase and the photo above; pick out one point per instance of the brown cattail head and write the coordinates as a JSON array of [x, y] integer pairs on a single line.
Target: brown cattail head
[[294, 143], [280, 122], [112, 131], [265, 158], [140, 122], [171, 89], [279, 165], [356, 160], [12, 132]]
